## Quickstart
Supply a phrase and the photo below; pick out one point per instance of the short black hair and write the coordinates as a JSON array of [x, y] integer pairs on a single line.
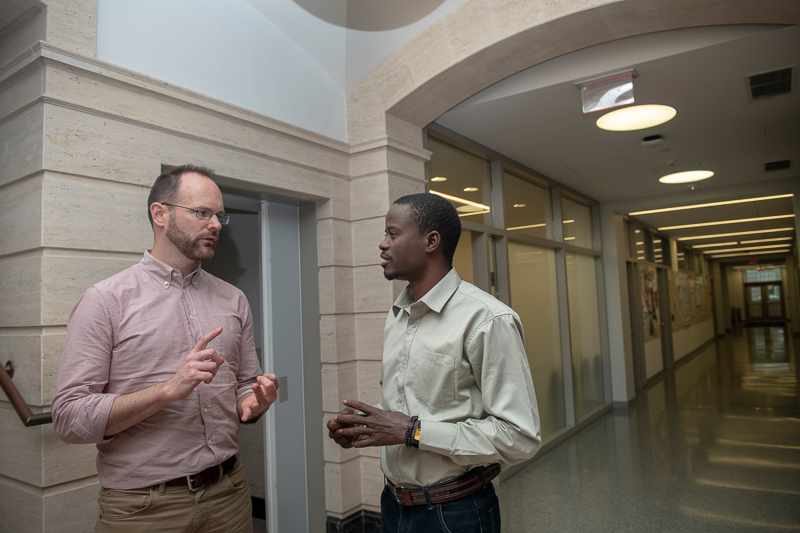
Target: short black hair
[[434, 213], [165, 189]]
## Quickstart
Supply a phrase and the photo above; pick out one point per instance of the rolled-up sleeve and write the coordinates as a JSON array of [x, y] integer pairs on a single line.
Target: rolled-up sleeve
[[80, 407]]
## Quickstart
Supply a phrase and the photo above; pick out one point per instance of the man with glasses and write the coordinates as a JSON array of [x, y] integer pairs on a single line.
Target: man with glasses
[[159, 368]]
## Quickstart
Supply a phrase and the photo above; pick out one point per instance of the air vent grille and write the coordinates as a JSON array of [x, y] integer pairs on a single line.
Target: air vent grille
[[777, 165], [770, 84]]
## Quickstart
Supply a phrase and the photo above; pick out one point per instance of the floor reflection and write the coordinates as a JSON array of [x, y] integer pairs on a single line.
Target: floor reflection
[[713, 446]]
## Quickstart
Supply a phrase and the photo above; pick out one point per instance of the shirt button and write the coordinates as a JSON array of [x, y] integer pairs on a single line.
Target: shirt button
[[205, 409], [404, 361], [166, 283], [191, 317], [174, 274], [399, 399], [414, 325]]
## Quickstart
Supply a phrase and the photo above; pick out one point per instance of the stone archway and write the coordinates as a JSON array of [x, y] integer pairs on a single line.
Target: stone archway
[[482, 42]]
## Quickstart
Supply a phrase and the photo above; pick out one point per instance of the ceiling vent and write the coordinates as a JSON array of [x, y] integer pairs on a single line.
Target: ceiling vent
[[770, 84], [777, 165]]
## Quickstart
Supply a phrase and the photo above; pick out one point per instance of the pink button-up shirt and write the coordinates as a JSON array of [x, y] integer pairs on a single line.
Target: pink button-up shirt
[[132, 331]]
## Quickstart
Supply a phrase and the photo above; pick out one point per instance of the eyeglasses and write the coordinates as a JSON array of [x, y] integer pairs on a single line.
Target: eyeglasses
[[202, 214]]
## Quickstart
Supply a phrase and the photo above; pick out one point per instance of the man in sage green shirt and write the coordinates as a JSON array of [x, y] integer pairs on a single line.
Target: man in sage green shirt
[[458, 396]]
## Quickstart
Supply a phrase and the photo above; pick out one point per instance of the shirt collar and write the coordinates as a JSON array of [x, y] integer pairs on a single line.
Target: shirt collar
[[435, 298], [164, 274]]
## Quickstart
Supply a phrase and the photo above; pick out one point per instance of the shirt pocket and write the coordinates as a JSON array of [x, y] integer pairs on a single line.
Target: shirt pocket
[[433, 378], [229, 342]]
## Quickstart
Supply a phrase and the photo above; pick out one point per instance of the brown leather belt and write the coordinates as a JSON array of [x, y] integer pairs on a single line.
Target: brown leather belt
[[448, 491], [209, 476]]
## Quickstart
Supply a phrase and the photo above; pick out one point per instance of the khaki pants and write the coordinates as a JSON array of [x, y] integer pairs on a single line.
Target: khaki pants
[[223, 507]]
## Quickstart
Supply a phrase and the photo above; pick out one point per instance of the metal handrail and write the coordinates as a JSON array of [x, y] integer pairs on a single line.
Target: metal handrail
[[20, 405]]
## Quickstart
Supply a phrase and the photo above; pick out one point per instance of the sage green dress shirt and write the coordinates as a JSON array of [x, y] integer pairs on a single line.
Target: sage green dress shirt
[[456, 358]]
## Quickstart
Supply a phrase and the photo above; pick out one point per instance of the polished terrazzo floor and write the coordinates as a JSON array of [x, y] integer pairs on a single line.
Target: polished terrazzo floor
[[713, 446]]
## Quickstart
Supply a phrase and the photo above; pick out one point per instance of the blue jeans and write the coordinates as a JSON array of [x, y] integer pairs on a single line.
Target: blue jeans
[[478, 512]]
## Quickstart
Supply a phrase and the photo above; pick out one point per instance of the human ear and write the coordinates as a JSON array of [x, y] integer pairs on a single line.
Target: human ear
[[432, 241], [158, 214]]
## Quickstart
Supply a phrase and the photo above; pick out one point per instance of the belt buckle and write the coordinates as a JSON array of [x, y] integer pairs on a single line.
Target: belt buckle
[[192, 487]]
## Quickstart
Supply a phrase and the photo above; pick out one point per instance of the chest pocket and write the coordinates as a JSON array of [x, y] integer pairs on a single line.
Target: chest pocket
[[228, 343], [434, 376]]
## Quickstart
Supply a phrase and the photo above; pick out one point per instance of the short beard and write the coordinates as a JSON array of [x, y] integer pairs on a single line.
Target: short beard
[[191, 249]]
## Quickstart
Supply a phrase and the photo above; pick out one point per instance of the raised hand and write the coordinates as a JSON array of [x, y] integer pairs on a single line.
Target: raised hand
[[200, 366], [265, 392]]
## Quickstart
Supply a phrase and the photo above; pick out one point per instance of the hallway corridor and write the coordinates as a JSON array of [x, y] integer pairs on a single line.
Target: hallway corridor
[[714, 446]]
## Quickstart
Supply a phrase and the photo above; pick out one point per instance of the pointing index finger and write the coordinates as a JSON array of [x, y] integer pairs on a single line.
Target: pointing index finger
[[360, 406], [205, 339]]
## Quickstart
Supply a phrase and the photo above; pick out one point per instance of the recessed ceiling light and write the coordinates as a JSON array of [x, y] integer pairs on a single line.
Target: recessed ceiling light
[[519, 205], [637, 117], [439, 178], [785, 251], [474, 209], [686, 177], [470, 189], [765, 247]]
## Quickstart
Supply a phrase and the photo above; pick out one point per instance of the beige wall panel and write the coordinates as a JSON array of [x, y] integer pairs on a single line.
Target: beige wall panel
[[342, 243], [22, 449], [369, 197], [21, 149], [419, 46], [24, 88], [350, 473], [64, 279], [369, 382], [367, 236], [400, 187], [374, 293], [367, 162], [66, 462], [88, 145], [325, 242], [25, 351], [20, 281], [52, 346], [337, 290], [369, 332], [334, 489], [72, 510], [91, 214], [339, 204], [407, 164], [245, 169], [339, 384], [72, 24], [338, 338], [372, 482], [20, 40], [20, 508], [21, 209], [118, 99]]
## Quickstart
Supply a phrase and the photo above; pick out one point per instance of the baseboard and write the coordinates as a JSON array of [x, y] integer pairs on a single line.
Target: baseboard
[[359, 522]]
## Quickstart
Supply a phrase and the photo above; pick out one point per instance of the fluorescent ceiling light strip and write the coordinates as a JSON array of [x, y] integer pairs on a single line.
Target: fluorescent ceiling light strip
[[766, 240], [747, 248], [784, 251], [527, 227], [712, 204], [462, 201], [733, 243], [721, 222], [696, 237]]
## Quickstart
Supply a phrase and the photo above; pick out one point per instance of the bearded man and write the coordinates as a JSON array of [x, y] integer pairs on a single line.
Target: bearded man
[[159, 368]]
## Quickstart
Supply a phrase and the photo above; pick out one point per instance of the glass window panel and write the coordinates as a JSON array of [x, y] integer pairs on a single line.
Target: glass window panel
[[464, 179], [462, 260], [526, 206], [533, 296], [584, 329], [768, 274], [577, 223]]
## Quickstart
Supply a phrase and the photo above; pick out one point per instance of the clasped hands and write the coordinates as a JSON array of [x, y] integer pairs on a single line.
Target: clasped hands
[[201, 366], [375, 427]]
